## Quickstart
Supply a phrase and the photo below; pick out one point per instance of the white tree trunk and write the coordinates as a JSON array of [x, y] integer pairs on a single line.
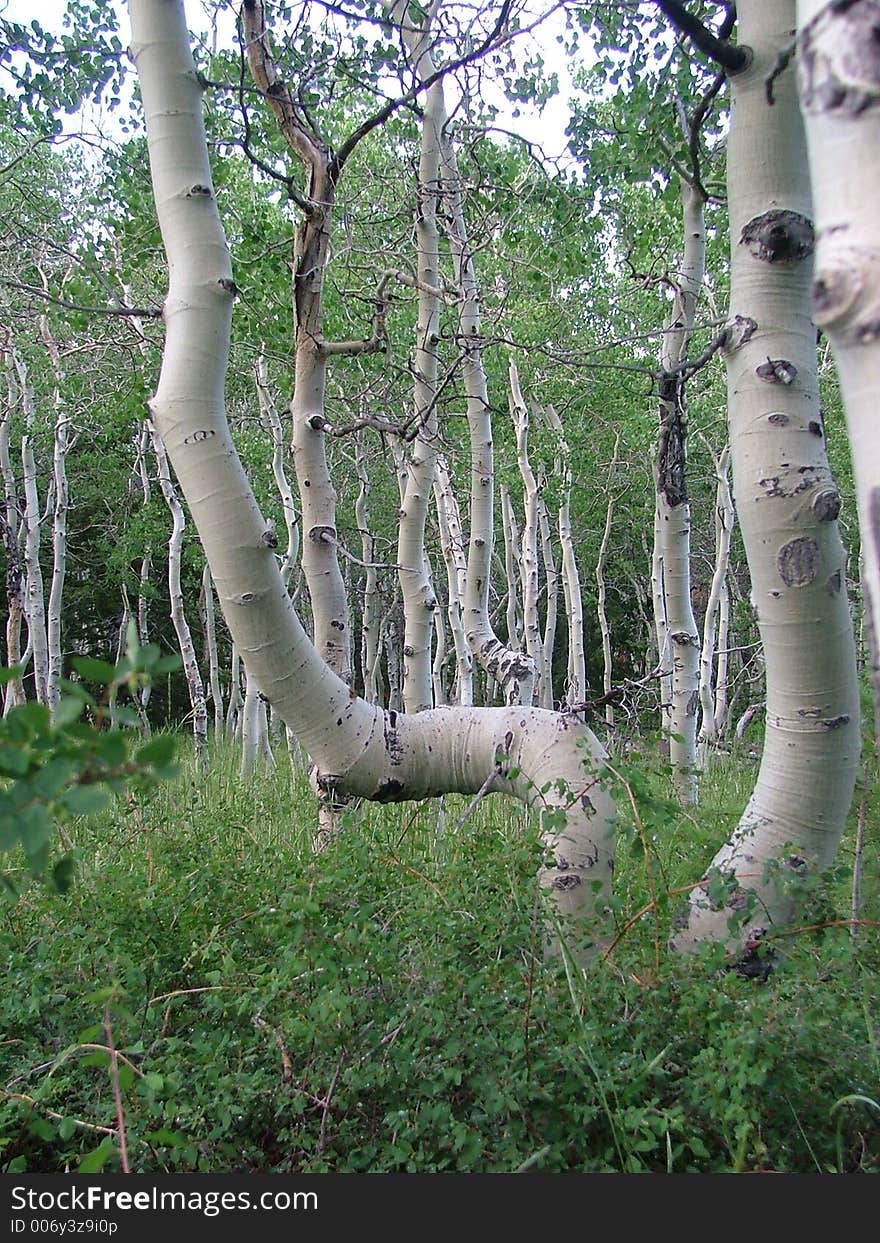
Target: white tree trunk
[[678, 638], [194, 683], [60, 447], [551, 578], [787, 508], [14, 689], [601, 613], [452, 548], [713, 690], [510, 667], [838, 60], [419, 601], [370, 610], [548, 760], [529, 563], [210, 633], [32, 519], [270, 413]]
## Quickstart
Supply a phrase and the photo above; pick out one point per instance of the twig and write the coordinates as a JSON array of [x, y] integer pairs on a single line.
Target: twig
[[117, 1094], [51, 1113]]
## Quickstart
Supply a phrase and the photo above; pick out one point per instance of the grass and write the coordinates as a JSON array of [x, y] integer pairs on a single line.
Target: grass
[[385, 1006]]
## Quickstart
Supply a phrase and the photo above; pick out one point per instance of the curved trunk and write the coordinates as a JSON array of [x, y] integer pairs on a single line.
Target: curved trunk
[[550, 761], [787, 506]]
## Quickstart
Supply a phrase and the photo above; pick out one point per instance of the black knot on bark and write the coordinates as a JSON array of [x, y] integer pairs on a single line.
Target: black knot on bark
[[779, 237]]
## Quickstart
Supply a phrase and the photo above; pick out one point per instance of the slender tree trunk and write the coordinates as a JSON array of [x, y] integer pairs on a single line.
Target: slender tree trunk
[[549, 760], [529, 562], [370, 612], [452, 548], [551, 578], [838, 64], [60, 446], [14, 689], [678, 637], [507, 665], [270, 413], [236, 702], [602, 616], [194, 682], [34, 595], [711, 692], [787, 507], [210, 633], [419, 601]]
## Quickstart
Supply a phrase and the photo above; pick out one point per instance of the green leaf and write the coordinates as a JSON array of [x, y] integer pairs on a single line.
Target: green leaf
[[14, 761], [67, 711], [52, 777], [94, 670], [63, 873], [93, 1162], [159, 750], [166, 664], [84, 800], [35, 828], [9, 674], [66, 1128], [33, 717]]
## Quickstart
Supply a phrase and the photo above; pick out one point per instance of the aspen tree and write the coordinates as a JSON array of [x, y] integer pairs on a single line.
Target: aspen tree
[[548, 760], [787, 505]]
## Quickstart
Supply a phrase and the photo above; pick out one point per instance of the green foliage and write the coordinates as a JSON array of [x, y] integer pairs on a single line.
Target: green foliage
[[54, 770], [386, 1007]]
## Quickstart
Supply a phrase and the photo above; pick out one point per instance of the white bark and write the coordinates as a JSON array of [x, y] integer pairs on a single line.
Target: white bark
[[551, 578], [236, 701], [452, 548], [601, 613], [60, 447], [713, 691], [270, 413], [529, 563], [14, 690], [510, 667], [210, 633], [678, 638], [787, 507], [370, 609], [194, 683], [838, 60], [34, 596], [548, 760], [512, 575], [419, 601]]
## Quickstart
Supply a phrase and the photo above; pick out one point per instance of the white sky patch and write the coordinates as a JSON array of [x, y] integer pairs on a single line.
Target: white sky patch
[[544, 127]]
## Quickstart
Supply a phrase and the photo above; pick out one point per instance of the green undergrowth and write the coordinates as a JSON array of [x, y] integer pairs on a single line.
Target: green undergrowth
[[385, 1006]]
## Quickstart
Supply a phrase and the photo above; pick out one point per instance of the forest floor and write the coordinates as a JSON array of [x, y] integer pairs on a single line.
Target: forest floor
[[386, 1006]]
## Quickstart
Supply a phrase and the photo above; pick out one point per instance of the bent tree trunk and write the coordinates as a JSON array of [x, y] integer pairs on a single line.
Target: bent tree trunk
[[548, 760], [839, 68], [787, 506]]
